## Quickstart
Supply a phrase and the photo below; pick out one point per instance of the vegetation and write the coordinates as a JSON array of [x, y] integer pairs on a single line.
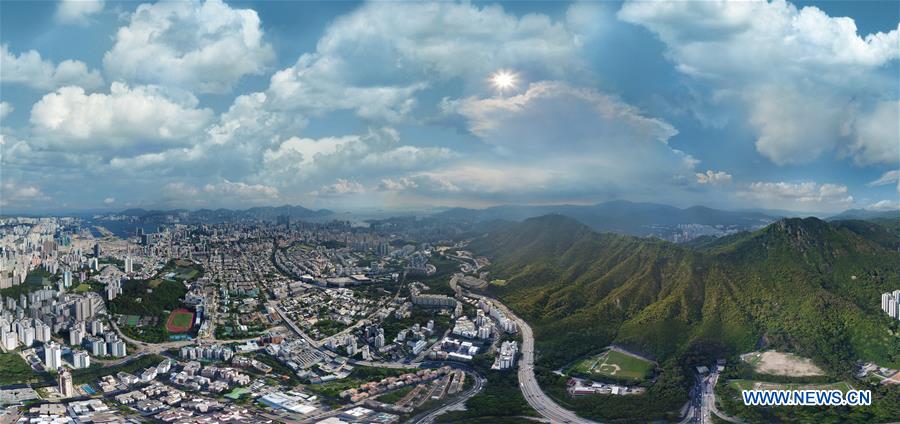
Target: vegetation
[[501, 399], [359, 376], [396, 395], [799, 285], [885, 408], [34, 280], [151, 334], [14, 370], [329, 327], [96, 371], [148, 297], [278, 368]]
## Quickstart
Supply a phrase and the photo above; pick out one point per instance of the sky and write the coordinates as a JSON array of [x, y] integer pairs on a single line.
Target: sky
[[398, 105]]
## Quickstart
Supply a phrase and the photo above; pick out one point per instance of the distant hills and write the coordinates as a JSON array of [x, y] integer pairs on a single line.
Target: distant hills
[[865, 214], [267, 213], [623, 217], [804, 285]]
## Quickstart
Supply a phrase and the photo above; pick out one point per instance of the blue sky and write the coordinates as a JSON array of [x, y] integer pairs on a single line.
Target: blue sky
[[354, 105]]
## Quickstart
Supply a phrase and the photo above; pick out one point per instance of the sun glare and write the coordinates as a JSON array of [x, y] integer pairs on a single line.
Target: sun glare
[[504, 80]]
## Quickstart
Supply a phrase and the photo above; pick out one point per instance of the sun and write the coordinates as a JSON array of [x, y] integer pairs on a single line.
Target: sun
[[503, 80]]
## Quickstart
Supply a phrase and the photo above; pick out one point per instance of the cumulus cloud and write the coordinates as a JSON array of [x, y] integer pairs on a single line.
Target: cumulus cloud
[[340, 187], [223, 193], [109, 200], [877, 135], [30, 69], [241, 190], [206, 47], [375, 153], [5, 109], [70, 119], [18, 195], [811, 83], [802, 196], [404, 48], [713, 178], [566, 139], [77, 11]]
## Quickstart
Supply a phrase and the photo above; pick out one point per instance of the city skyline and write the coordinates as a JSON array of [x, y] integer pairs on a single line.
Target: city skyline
[[398, 106]]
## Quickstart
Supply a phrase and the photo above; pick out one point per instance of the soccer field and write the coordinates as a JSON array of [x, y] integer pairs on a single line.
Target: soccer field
[[180, 321]]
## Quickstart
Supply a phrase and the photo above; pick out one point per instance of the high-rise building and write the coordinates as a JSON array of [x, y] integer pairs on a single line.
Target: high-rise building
[[97, 250], [41, 332], [118, 348], [98, 347], [96, 327], [28, 336], [52, 356], [67, 279], [84, 309], [76, 335], [113, 289], [80, 359], [66, 388], [129, 265]]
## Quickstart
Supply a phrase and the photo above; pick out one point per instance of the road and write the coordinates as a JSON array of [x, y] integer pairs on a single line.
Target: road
[[702, 405], [535, 397], [429, 417]]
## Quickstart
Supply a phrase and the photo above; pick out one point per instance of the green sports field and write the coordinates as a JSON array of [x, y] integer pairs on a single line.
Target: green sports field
[[180, 321], [614, 364]]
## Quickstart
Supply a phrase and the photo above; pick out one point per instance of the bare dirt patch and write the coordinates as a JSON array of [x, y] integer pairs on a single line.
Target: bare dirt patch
[[780, 363]]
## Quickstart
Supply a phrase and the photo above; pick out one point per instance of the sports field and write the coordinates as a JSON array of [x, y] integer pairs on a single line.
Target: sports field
[[180, 321], [614, 364]]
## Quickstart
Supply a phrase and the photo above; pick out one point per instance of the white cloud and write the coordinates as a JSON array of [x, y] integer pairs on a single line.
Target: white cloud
[[17, 195], [885, 205], [375, 59], [109, 200], [555, 142], [889, 177], [878, 135], [77, 11], [801, 196], [70, 119], [204, 47], [30, 69], [810, 82], [241, 190], [5, 109], [341, 187], [223, 193], [713, 178], [554, 116], [376, 153]]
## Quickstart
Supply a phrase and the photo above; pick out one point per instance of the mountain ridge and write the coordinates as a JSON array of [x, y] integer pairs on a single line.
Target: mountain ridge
[[799, 284]]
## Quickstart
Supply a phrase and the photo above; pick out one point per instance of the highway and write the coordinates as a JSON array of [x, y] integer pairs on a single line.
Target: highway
[[703, 402], [429, 417], [535, 397]]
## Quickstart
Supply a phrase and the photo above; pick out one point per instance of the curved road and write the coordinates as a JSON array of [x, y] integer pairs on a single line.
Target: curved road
[[429, 417], [535, 397]]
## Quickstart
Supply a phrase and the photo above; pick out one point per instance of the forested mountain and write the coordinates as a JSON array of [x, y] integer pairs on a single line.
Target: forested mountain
[[637, 219], [799, 284]]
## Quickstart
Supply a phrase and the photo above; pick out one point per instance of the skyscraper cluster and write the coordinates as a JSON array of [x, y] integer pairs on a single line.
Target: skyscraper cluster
[[890, 303]]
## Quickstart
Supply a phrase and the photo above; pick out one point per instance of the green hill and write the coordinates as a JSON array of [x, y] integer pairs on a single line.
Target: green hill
[[799, 284]]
